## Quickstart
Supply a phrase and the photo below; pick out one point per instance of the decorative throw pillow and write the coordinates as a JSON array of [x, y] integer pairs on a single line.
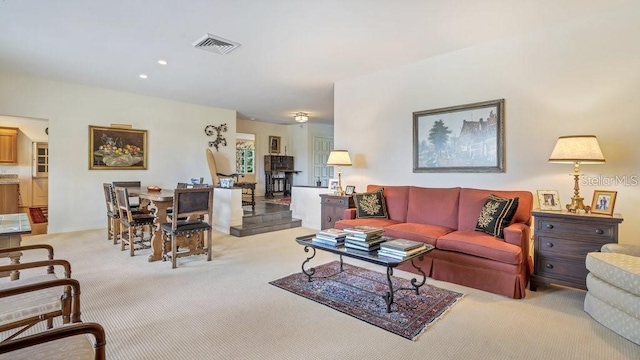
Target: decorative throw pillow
[[370, 205], [496, 214]]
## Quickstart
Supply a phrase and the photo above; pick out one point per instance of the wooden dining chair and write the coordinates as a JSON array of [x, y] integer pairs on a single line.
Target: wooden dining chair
[[188, 225], [134, 201], [132, 224], [113, 216]]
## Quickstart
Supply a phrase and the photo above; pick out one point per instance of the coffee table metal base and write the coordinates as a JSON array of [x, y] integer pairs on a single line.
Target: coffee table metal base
[[388, 297]]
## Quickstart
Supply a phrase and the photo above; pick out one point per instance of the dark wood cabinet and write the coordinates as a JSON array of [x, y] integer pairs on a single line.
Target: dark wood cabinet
[[333, 207], [278, 171], [562, 241]]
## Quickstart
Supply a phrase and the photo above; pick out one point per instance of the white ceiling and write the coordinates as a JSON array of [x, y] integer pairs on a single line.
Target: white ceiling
[[291, 53]]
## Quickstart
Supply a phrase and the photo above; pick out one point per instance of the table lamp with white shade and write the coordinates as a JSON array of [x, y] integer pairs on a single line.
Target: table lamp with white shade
[[576, 150], [339, 158]]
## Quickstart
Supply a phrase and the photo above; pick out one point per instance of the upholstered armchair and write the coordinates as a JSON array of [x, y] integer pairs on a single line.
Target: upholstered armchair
[[39, 297], [613, 283], [64, 342]]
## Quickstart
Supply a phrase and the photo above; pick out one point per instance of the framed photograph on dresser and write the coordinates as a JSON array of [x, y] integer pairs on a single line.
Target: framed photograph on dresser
[[333, 185], [603, 202], [350, 190], [549, 200]]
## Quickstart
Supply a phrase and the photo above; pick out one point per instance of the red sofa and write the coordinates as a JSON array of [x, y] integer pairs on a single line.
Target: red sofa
[[446, 218]]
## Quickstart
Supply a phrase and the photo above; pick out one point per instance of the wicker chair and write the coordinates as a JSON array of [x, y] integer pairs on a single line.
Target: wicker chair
[[187, 226]]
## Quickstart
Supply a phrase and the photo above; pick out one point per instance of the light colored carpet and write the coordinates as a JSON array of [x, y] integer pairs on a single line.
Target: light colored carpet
[[226, 309]]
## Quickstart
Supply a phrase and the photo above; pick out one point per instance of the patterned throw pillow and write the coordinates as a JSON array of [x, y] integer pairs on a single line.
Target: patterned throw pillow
[[370, 205], [496, 214]]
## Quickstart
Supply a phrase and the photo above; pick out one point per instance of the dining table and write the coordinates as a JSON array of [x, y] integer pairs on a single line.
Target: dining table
[[157, 202]]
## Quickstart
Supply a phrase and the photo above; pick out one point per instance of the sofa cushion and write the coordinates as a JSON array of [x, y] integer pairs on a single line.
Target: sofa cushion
[[396, 198], [347, 223], [472, 200], [435, 206], [418, 232], [496, 214], [480, 244], [370, 205], [619, 270]]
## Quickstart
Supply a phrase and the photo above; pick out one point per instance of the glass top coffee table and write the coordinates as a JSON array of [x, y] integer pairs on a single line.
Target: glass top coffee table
[[370, 257]]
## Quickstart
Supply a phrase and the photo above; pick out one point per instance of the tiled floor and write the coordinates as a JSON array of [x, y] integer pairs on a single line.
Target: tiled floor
[[263, 207]]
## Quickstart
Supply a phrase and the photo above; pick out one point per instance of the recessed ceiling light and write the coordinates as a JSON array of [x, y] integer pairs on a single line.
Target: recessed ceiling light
[[143, 76], [162, 62]]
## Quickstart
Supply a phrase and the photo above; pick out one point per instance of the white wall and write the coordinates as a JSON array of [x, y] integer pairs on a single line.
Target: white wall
[[577, 78], [303, 135], [176, 141]]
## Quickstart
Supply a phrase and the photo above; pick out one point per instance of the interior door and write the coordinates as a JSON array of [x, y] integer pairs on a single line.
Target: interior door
[[321, 149]]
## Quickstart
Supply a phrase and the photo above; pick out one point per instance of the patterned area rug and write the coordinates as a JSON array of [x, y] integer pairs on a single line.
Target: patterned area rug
[[358, 292], [38, 215]]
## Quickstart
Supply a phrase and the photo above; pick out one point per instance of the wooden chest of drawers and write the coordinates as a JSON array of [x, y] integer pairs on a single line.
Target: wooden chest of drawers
[[332, 208], [562, 241]]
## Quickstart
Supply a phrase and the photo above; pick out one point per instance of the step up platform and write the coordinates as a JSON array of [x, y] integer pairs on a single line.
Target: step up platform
[[263, 223]]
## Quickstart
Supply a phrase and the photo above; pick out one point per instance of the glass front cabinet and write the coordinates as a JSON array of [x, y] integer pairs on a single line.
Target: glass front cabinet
[[40, 159]]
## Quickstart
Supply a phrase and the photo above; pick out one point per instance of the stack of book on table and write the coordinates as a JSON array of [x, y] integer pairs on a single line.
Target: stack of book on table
[[364, 238], [331, 237], [400, 249]]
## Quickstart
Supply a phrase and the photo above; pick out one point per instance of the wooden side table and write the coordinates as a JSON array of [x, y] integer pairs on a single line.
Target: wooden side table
[[562, 241], [333, 207]]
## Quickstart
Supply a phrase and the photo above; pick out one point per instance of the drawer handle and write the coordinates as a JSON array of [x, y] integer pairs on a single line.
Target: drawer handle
[[599, 231], [549, 244], [549, 226], [549, 266], [328, 218]]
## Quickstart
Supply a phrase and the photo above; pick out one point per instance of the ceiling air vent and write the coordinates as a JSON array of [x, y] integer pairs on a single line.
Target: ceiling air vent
[[215, 44]]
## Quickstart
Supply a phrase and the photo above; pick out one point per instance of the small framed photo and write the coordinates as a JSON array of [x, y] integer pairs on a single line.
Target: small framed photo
[[274, 144], [549, 200], [333, 185], [603, 202], [350, 190]]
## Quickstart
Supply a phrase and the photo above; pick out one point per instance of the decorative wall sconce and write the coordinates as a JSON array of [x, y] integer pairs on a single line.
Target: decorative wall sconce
[[301, 117], [220, 140]]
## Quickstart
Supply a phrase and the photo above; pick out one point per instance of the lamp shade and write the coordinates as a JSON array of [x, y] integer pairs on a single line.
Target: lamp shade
[[583, 149], [339, 157]]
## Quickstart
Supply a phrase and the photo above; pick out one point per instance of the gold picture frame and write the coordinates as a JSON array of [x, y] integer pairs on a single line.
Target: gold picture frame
[[603, 202], [274, 144], [549, 200], [115, 148]]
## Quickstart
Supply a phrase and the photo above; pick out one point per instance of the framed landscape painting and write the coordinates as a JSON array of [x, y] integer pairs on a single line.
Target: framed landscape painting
[[463, 138], [117, 148]]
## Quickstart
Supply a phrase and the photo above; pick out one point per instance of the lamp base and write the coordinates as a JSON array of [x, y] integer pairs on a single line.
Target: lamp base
[[577, 205]]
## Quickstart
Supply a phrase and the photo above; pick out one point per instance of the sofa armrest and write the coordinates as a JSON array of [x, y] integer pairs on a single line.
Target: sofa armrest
[[517, 234], [349, 214], [627, 249]]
